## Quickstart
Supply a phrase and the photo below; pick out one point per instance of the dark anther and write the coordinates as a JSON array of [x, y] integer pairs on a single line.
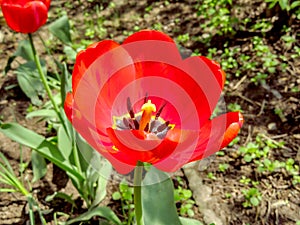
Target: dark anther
[[160, 110], [125, 122], [147, 127], [163, 126], [129, 108], [146, 98], [136, 124]]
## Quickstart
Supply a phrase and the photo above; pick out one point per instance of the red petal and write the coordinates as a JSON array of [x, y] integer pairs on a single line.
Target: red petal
[[215, 67], [145, 150], [236, 121], [86, 57], [148, 35], [68, 106], [220, 132], [213, 136], [24, 16]]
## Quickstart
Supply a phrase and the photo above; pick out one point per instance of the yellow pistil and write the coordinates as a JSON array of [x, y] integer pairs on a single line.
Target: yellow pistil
[[148, 108]]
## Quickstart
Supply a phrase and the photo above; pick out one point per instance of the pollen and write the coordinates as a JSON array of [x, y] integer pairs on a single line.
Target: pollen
[[148, 108]]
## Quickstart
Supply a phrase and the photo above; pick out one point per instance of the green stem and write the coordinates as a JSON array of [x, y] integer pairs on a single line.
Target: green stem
[[31, 212], [44, 80], [137, 182]]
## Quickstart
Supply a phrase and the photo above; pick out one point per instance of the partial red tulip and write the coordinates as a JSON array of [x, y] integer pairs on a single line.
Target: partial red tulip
[[140, 101], [25, 16]]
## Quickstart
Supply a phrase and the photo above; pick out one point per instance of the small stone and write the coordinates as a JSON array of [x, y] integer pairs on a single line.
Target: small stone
[[272, 126]]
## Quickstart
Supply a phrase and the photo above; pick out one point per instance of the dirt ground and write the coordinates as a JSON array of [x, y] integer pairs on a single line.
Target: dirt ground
[[280, 203]]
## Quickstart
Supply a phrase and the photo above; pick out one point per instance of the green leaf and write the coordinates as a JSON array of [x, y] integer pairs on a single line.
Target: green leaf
[[248, 158], [8, 64], [98, 177], [6, 163], [64, 86], [188, 221], [116, 196], [7, 190], [24, 50], [61, 29], [64, 143], [39, 166], [295, 4], [85, 152], [254, 201], [62, 196], [44, 113], [70, 53], [283, 4], [104, 212], [29, 81], [158, 199], [38, 143]]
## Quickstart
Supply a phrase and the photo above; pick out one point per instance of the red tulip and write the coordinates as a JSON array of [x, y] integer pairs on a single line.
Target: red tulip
[[25, 16], [140, 101]]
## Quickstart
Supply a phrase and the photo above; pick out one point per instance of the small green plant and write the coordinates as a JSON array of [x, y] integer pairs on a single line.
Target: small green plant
[[268, 165], [259, 78], [252, 151], [262, 25], [223, 167], [211, 176], [247, 181], [252, 197], [284, 4], [259, 149], [183, 38], [125, 195], [217, 19], [293, 169], [183, 196], [234, 107], [13, 185], [269, 60]]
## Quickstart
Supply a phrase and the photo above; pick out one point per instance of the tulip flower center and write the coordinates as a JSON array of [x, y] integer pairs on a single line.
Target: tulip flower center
[[145, 120]]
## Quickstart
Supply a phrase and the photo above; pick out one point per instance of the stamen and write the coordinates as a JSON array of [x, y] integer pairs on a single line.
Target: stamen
[[148, 108], [129, 108], [146, 98], [160, 110], [131, 113], [163, 126]]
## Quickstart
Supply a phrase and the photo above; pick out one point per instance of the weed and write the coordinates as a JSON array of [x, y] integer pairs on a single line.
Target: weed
[[125, 195], [234, 107], [211, 176], [183, 38], [184, 196], [223, 167], [252, 197]]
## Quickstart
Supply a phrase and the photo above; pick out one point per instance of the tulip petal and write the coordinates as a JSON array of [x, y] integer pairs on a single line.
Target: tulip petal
[[148, 35], [25, 16], [146, 150], [86, 57], [213, 136]]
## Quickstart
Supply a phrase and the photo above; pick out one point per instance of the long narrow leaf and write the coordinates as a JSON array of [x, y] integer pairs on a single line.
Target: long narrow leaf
[[38, 143], [39, 166], [104, 212], [5, 179], [7, 190], [6, 163]]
